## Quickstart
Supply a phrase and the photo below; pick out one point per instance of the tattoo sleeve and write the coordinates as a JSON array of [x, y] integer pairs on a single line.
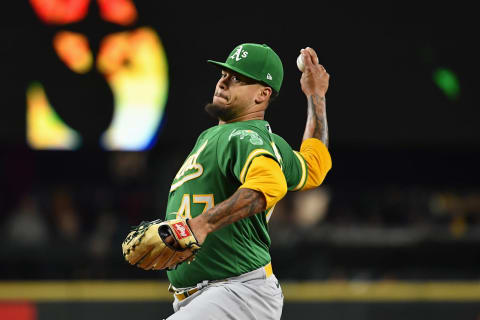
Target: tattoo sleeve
[[316, 126], [242, 204]]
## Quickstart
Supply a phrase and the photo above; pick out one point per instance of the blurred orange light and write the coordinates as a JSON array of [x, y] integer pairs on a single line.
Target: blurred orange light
[[60, 11], [122, 12], [114, 51], [73, 50]]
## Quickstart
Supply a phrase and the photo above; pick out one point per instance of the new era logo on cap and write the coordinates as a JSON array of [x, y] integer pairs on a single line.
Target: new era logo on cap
[[269, 76]]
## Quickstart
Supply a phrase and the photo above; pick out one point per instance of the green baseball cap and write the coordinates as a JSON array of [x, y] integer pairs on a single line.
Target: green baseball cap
[[256, 61]]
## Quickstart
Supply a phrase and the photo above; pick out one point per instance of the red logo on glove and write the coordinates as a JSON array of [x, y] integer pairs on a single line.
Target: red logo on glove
[[181, 230]]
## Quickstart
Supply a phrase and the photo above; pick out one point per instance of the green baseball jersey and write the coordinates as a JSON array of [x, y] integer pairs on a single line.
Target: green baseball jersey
[[213, 171]]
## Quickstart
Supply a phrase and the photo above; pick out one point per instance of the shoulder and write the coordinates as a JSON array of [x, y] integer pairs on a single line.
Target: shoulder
[[278, 139], [282, 145]]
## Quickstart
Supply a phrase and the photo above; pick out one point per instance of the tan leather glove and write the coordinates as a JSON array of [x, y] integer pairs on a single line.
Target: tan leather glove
[[158, 244]]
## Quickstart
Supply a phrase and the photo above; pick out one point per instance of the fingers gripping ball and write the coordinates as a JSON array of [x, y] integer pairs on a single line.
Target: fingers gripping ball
[[158, 244]]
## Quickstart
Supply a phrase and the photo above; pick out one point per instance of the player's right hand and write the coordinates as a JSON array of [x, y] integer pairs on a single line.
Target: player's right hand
[[314, 80]]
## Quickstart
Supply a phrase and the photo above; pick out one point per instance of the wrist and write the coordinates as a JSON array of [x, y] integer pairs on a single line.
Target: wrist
[[316, 94], [200, 227]]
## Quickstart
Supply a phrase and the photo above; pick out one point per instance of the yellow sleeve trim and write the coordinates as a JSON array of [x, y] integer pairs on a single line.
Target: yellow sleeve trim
[[304, 171], [266, 176], [318, 161], [250, 157]]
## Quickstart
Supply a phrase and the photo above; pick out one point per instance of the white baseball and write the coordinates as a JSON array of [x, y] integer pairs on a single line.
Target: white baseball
[[300, 64]]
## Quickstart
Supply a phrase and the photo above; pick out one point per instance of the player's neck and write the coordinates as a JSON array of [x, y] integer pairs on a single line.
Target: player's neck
[[257, 115]]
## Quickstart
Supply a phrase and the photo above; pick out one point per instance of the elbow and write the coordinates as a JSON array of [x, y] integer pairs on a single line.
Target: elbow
[[316, 176], [317, 180], [318, 162]]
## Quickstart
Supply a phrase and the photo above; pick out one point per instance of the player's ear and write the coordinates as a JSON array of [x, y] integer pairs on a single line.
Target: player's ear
[[263, 94]]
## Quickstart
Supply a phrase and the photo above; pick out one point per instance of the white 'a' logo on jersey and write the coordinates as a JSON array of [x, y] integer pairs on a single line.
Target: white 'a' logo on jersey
[[239, 54], [185, 174]]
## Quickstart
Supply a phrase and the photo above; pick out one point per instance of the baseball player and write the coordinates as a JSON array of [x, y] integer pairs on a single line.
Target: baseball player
[[224, 194]]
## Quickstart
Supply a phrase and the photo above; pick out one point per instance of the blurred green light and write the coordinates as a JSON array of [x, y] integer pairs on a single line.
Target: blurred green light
[[446, 80]]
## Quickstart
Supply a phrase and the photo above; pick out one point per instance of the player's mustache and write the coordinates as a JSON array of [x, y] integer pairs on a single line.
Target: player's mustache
[[221, 95]]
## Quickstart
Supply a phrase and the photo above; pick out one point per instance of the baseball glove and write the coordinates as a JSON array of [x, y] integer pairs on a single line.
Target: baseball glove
[[158, 244]]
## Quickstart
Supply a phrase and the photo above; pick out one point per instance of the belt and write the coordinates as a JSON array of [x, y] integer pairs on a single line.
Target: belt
[[185, 294], [181, 295]]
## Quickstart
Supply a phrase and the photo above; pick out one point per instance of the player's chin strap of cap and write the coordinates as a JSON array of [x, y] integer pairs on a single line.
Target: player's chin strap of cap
[[183, 294]]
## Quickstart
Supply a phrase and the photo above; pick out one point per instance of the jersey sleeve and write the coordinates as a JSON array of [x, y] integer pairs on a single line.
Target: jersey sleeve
[[294, 166], [237, 148], [266, 176], [307, 168], [318, 162]]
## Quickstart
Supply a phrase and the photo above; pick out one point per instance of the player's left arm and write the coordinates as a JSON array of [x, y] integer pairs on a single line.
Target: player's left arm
[[264, 186], [314, 148]]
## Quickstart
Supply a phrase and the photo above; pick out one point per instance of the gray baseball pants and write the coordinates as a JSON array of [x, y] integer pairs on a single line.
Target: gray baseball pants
[[250, 296]]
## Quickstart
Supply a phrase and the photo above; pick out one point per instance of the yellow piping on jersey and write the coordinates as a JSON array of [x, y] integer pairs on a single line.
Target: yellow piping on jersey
[[277, 154], [304, 171], [269, 213], [250, 157]]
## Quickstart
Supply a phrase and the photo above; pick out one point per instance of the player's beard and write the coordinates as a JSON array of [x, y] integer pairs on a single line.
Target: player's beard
[[219, 112]]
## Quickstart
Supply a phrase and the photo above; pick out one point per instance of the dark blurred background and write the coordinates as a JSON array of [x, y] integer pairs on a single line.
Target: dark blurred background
[[402, 200]]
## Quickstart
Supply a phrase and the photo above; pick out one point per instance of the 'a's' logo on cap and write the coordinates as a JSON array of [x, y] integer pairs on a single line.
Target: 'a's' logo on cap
[[239, 54]]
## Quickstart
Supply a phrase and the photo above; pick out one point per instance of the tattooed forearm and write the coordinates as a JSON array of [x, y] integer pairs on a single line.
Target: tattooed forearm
[[243, 203], [316, 126]]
